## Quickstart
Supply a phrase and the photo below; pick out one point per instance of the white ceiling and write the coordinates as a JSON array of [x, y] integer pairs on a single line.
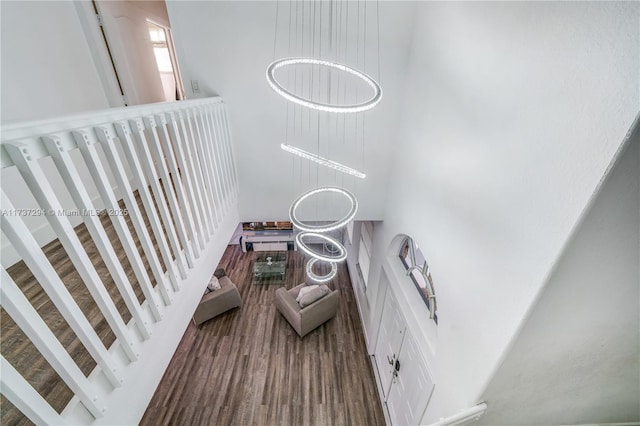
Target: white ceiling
[[227, 47]]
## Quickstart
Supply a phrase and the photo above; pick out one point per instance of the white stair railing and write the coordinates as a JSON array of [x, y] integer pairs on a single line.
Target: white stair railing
[[170, 165]]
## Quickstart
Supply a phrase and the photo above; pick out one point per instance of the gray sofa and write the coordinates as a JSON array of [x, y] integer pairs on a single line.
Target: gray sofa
[[304, 320], [216, 302]]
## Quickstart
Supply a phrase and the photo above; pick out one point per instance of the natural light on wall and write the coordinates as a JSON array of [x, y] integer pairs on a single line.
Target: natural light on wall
[[158, 37]]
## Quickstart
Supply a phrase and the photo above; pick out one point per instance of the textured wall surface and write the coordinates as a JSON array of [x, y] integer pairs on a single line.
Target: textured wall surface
[[576, 359], [513, 112], [47, 69]]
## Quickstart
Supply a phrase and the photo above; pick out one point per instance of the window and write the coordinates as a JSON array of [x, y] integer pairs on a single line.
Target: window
[[364, 251], [418, 270]]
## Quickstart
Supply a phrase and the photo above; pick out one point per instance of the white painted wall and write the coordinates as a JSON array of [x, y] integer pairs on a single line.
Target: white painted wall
[[47, 70], [576, 359], [227, 46], [512, 114]]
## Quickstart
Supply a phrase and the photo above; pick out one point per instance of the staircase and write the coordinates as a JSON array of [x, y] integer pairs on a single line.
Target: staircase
[[141, 203]]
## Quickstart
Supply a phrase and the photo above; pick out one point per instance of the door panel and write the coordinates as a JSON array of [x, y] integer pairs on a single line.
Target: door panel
[[412, 388], [126, 27], [392, 328]]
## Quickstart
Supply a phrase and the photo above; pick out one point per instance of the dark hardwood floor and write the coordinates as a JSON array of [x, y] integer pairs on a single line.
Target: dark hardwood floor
[[23, 355], [249, 367]]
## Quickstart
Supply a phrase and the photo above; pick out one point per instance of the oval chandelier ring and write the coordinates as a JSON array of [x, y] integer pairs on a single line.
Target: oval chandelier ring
[[327, 107], [330, 249], [320, 278], [322, 161], [328, 227], [342, 252]]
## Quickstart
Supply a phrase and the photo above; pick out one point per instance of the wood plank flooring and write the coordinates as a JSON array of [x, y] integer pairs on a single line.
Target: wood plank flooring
[[249, 367], [23, 355]]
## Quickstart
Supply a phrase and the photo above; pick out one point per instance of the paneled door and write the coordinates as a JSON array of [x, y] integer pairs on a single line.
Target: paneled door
[[411, 387], [140, 44], [390, 335]]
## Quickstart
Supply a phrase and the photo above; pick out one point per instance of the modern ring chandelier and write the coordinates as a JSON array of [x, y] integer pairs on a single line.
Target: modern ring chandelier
[[330, 226], [320, 278], [322, 161], [327, 107], [286, 79], [333, 258]]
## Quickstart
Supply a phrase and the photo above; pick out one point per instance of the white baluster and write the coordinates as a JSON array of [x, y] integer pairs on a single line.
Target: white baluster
[[214, 112], [34, 327], [208, 209], [122, 129], [90, 155], [78, 192], [25, 398], [208, 173], [28, 248], [209, 147], [32, 255], [154, 181], [161, 162], [182, 207], [229, 147], [186, 174]]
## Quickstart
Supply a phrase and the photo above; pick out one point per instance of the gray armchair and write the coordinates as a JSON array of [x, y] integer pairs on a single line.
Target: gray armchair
[[216, 302], [304, 320]]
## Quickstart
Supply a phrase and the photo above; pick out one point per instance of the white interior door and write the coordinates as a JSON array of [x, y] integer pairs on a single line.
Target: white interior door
[[146, 73], [390, 335], [411, 388]]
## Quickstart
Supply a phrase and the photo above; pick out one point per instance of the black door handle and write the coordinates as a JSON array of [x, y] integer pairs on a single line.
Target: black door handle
[[397, 366]]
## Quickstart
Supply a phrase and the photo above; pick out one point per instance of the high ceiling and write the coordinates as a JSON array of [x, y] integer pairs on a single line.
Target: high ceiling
[[227, 47]]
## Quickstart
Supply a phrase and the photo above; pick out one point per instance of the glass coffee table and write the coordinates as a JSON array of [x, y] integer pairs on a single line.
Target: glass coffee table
[[270, 268]]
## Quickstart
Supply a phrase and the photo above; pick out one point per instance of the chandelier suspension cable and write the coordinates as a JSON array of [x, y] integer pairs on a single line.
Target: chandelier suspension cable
[[295, 71], [297, 111], [364, 68], [344, 95], [317, 143], [344, 89], [341, 89], [310, 46], [304, 31], [312, 261], [318, 136], [330, 42], [275, 32], [356, 87], [312, 30], [311, 85], [322, 67], [338, 60], [345, 33], [286, 127], [364, 50], [319, 90], [378, 34], [341, 80]]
